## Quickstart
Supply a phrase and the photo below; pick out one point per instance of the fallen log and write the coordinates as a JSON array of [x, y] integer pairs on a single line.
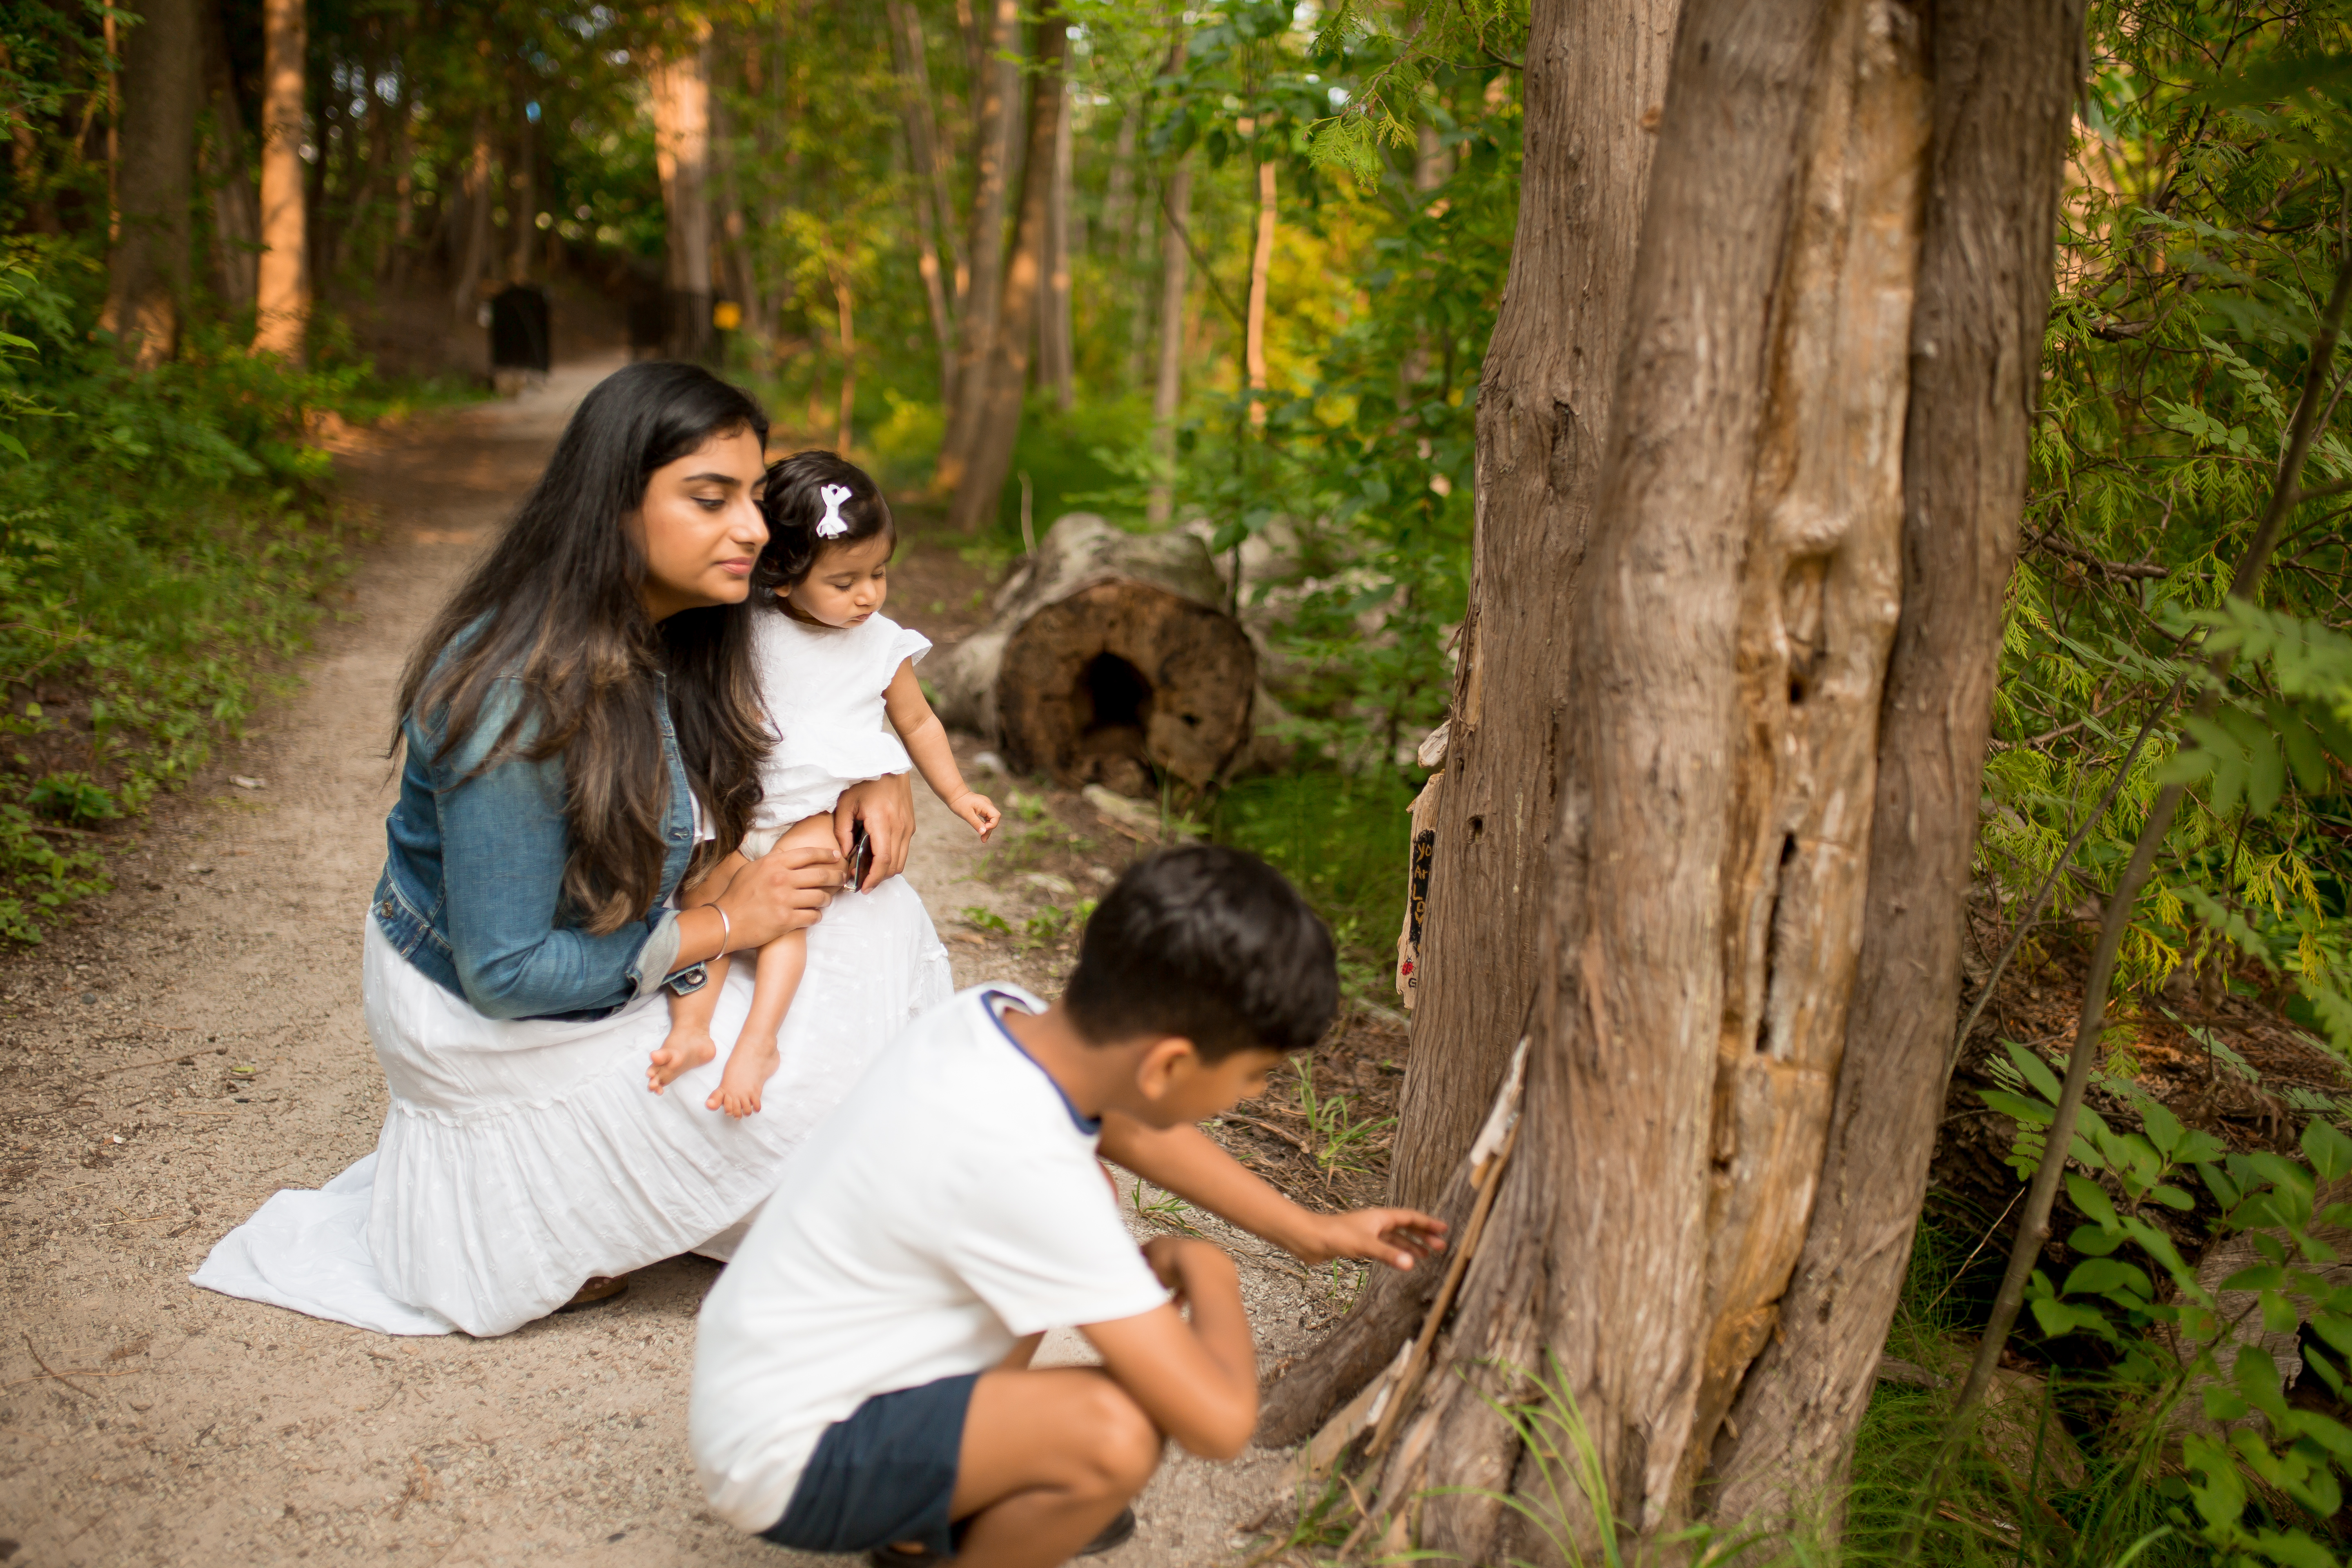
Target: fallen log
[[1112, 659]]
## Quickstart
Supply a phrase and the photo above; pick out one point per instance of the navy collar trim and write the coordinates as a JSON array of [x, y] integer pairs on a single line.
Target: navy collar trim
[[1090, 1126]]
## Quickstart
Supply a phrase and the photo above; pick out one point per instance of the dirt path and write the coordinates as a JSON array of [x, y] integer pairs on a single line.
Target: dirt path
[[195, 1043]]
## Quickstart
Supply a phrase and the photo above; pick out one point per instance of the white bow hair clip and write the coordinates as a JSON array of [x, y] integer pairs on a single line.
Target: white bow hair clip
[[832, 525]]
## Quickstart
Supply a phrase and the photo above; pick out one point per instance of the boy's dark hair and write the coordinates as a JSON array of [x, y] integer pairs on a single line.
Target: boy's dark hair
[[1210, 943], [794, 506]]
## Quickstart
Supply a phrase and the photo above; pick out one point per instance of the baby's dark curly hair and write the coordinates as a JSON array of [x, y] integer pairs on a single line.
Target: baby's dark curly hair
[[794, 506]]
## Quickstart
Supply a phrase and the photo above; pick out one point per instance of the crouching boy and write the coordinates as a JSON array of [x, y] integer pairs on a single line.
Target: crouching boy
[[861, 1380]]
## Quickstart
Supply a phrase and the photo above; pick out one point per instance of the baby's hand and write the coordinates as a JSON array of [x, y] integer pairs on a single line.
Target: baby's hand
[[979, 810]]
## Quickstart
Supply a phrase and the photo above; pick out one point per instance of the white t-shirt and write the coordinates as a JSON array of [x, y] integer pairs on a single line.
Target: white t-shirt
[[827, 723], [951, 1205]]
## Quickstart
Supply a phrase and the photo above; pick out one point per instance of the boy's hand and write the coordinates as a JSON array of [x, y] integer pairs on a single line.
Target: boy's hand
[[1176, 1258], [1398, 1237], [979, 810]]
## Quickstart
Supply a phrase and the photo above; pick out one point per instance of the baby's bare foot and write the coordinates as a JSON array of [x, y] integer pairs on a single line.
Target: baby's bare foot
[[682, 1052], [748, 1067]]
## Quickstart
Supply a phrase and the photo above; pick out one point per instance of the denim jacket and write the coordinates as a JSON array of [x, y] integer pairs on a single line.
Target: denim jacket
[[472, 885]]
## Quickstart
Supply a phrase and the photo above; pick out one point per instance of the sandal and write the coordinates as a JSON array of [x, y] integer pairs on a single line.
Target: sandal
[[595, 1291], [1112, 1536]]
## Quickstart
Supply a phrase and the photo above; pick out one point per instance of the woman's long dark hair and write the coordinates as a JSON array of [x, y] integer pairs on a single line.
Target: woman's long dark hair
[[555, 606]]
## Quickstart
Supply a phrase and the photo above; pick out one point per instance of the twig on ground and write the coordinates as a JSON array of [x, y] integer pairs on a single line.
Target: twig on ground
[[54, 1372]]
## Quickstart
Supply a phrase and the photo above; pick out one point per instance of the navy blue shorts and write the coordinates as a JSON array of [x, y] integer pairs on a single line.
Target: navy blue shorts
[[885, 1474]]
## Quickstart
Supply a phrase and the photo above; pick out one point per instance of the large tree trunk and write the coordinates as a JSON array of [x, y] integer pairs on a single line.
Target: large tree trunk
[[2005, 81], [1593, 75], [934, 213], [282, 279], [235, 226], [681, 106], [522, 199], [1175, 260], [996, 143], [1006, 379], [1704, 888], [147, 269]]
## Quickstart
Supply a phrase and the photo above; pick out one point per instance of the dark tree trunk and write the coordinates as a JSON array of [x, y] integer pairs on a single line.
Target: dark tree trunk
[[1593, 74], [1006, 379], [681, 104], [2005, 77], [236, 225], [147, 269], [934, 213]]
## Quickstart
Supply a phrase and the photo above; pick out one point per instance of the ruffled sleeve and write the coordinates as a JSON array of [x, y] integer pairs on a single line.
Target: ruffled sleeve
[[905, 644]]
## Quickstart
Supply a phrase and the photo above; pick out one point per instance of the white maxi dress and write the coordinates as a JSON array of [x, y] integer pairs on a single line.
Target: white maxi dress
[[520, 1158]]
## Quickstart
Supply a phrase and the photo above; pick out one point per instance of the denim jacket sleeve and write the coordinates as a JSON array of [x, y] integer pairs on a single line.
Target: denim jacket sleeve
[[503, 852]]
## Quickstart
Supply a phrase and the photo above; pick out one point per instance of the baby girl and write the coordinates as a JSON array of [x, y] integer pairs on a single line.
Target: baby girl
[[832, 669]]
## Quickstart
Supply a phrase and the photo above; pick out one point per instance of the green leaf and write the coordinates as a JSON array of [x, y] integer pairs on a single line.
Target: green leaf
[[2328, 1150], [2107, 1277], [2037, 1072], [2163, 1128], [2091, 1199]]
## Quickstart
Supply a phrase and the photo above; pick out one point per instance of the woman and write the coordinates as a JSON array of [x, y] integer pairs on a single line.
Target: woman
[[580, 728]]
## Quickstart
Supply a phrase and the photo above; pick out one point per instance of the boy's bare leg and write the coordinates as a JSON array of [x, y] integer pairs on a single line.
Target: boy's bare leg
[[688, 1044], [778, 977], [1048, 1459]]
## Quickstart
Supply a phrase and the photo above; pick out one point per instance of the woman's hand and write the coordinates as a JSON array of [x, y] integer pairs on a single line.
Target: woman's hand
[[887, 807], [783, 891]]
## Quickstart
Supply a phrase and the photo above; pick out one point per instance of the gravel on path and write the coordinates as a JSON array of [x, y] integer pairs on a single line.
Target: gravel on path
[[194, 1042]]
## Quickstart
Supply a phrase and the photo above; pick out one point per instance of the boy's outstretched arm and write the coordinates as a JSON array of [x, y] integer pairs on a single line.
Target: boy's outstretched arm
[[1184, 1161], [1197, 1379]]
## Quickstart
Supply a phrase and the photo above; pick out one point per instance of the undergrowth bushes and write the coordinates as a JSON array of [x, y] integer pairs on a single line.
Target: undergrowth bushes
[[165, 537]]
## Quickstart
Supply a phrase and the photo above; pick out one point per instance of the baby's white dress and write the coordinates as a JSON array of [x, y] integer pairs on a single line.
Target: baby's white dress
[[823, 687]]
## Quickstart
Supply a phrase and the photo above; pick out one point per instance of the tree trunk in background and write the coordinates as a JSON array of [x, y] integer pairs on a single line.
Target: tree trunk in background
[[995, 144], [236, 226], [1007, 377], [1056, 352], [2005, 77], [480, 193], [522, 195], [1707, 883], [1175, 262], [846, 324], [282, 278], [1261, 275], [680, 96], [1433, 165], [934, 213], [1119, 192], [147, 269], [1543, 410]]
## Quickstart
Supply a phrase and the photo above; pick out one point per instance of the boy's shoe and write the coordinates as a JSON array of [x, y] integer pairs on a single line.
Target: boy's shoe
[[1114, 1535]]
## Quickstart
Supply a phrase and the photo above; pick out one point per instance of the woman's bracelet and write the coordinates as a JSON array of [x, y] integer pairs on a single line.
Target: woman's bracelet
[[726, 931]]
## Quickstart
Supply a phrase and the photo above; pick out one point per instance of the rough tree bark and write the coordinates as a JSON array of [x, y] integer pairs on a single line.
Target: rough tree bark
[[1005, 378], [1594, 79], [282, 276], [1704, 891], [2004, 78], [147, 267], [681, 105], [996, 143]]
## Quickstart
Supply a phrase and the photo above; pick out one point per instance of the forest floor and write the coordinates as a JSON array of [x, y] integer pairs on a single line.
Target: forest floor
[[193, 1042]]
